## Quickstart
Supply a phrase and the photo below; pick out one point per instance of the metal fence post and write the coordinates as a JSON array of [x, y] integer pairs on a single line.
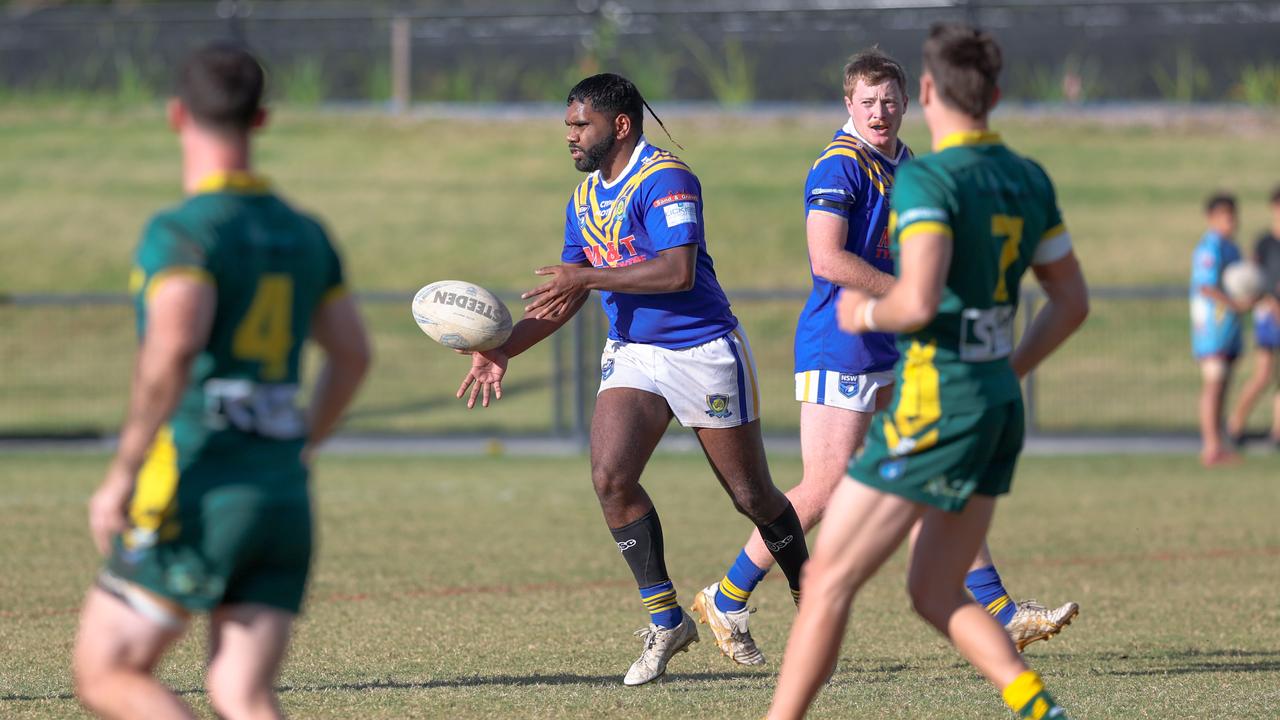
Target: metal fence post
[[557, 384], [580, 329], [401, 56]]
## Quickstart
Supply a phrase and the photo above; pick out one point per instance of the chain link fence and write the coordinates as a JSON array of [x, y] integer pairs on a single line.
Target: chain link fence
[[733, 52], [67, 362]]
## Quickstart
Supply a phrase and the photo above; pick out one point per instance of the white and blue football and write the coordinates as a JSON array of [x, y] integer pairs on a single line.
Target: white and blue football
[[461, 315]]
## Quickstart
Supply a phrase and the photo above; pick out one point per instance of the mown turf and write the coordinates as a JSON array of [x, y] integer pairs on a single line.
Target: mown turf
[[414, 201], [488, 587]]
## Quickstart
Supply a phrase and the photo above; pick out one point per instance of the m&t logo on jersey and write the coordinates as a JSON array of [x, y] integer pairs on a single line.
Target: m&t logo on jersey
[[883, 251], [718, 406]]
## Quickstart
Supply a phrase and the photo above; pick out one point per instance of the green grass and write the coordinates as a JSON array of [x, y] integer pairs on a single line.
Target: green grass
[[488, 587], [414, 201], [411, 201]]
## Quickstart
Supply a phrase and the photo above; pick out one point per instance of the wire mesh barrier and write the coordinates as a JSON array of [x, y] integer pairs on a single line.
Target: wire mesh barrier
[[729, 51], [67, 362]]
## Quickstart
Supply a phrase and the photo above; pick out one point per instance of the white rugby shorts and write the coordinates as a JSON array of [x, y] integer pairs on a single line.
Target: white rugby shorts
[[849, 391], [710, 385]]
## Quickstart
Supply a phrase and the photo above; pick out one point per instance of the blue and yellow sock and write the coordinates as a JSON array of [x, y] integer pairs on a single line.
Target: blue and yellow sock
[[660, 601], [1027, 697], [987, 589], [738, 584]]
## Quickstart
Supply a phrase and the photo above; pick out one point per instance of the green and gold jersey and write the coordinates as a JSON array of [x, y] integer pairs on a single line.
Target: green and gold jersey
[[272, 266], [1001, 212]]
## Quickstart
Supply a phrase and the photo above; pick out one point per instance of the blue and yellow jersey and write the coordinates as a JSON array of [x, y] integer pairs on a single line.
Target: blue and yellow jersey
[[854, 181], [271, 266], [1215, 328], [654, 204]]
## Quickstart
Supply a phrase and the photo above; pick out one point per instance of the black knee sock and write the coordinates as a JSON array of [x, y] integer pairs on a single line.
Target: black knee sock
[[785, 539], [641, 546]]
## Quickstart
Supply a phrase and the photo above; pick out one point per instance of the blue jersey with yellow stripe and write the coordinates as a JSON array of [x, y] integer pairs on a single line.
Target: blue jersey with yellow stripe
[[654, 204], [851, 180]]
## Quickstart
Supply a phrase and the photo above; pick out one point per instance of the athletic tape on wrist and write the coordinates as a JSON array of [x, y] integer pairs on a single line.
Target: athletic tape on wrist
[[867, 318]]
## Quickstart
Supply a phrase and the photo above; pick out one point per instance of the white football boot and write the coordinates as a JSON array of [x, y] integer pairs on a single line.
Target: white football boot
[[1034, 621], [730, 628], [659, 645]]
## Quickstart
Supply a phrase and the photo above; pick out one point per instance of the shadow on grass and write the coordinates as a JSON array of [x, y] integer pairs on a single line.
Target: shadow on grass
[[1192, 661], [1182, 662], [465, 682], [516, 681]]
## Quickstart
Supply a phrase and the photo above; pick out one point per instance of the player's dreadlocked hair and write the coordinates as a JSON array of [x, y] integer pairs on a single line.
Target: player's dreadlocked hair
[[615, 95], [965, 63]]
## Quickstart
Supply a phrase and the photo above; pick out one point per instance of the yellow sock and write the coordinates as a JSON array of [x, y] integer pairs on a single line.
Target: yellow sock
[[1023, 690]]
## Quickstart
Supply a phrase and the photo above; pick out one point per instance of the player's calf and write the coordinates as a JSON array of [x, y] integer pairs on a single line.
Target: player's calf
[[784, 536]]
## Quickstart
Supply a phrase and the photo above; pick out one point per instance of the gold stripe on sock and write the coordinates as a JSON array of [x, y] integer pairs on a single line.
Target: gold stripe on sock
[[670, 605], [733, 591], [666, 598], [995, 606]]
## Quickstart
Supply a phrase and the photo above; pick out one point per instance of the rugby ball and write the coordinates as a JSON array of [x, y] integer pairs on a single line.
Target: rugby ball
[[1242, 281], [460, 315]]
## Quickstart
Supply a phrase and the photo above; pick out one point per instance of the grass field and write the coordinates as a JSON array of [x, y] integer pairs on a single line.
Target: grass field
[[489, 588], [413, 201]]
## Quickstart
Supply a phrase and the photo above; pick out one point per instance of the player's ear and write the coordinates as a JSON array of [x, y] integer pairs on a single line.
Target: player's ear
[[621, 125], [926, 89], [848, 104], [259, 119], [995, 99], [176, 113]]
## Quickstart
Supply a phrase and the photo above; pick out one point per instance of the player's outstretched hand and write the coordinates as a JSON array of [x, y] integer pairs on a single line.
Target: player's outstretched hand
[[850, 310], [107, 507], [554, 298], [484, 377]]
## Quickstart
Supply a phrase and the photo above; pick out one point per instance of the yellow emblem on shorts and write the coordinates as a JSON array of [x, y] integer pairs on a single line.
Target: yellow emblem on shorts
[[718, 406]]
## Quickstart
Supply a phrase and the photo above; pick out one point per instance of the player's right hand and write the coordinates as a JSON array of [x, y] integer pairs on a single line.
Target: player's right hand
[[849, 310], [484, 377], [107, 516]]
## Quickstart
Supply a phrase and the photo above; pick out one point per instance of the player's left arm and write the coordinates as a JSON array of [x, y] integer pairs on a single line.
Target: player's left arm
[[1067, 296], [673, 270], [913, 300], [923, 209], [670, 207], [1064, 312], [179, 316]]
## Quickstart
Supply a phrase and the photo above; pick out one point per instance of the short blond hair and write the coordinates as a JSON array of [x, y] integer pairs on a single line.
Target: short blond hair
[[872, 66]]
